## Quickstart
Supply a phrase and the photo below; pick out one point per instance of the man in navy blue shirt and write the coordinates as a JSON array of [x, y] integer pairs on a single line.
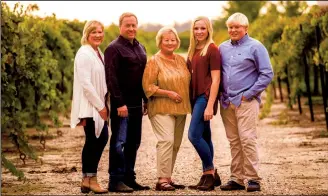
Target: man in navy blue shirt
[[125, 61], [246, 73]]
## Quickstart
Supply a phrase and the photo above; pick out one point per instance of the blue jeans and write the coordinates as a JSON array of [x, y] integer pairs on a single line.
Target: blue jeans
[[199, 133], [124, 144]]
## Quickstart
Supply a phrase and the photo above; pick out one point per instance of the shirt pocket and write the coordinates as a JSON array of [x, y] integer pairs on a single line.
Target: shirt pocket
[[244, 59]]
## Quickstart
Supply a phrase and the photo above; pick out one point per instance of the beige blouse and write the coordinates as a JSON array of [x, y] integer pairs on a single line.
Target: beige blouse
[[166, 74]]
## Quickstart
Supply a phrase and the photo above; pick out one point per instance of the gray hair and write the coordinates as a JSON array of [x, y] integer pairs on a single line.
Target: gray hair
[[238, 17], [164, 30]]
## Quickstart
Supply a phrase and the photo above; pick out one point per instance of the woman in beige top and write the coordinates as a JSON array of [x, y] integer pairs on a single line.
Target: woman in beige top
[[166, 84]]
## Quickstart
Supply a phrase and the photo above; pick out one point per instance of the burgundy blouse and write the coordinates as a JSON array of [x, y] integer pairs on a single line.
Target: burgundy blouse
[[200, 69]]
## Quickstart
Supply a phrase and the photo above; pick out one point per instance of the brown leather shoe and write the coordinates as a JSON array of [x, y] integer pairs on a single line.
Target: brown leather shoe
[[208, 184], [217, 180], [85, 185], [232, 185], [95, 187], [120, 187], [201, 181], [253, 186]]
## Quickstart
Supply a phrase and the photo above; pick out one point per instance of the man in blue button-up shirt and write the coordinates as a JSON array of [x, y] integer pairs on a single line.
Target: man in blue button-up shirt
[[246, 73]]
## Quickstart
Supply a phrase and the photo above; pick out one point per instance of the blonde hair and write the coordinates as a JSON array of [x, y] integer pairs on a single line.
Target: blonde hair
[[88, 28], [126, 14], [209, 39], [238, 17], [163, 30]]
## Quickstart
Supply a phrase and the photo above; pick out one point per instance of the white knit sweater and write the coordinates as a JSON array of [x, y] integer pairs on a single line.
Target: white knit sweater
[[89, 87]]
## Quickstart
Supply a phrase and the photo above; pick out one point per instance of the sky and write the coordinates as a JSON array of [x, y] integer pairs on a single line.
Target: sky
[[108, 12]]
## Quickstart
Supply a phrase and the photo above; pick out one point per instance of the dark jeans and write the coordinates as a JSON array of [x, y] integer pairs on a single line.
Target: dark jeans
[[124, 144], [93, 147], [199, 133]]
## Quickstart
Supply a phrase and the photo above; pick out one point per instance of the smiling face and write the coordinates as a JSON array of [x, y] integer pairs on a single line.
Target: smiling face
[[169, 42], [200, 31], [236, 30], [128, 28], [96, 36]]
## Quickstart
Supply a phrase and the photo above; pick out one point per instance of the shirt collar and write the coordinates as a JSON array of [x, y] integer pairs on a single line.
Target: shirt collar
[[125, 41], [241, 41]]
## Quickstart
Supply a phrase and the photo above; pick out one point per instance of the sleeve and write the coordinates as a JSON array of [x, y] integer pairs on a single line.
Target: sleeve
[[111, 72], [215, 57], [149, 79], [84, 65], [144, 97], [263, 65]]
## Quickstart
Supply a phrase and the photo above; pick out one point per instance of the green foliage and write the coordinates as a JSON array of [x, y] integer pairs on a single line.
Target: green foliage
[[8, 165], [268, 103], [250, 8], [293, 8], [36, 73]]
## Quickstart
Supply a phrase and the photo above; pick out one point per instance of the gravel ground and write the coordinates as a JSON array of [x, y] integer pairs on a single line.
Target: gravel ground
[[292, 162]]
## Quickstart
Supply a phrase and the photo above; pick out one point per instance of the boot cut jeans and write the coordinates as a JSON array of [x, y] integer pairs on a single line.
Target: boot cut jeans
[[124, 144], [93, 148], [199, 133]]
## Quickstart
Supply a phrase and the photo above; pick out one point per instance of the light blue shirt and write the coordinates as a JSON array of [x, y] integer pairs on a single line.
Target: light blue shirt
[[246, 70]]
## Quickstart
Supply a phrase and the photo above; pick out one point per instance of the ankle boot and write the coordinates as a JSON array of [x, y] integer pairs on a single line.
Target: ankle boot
[[85, 185], [95, 187], [208, 183], [217, 180], [201, 181]]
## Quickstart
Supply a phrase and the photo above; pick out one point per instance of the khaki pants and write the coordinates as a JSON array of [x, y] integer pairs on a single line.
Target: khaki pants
[[169, 131], [240, 125]]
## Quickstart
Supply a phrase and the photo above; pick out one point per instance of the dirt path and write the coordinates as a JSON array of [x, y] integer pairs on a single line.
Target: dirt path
[[292, 162]]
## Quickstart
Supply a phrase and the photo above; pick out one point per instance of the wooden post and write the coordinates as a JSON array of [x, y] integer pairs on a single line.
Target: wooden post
[[315, 80], [307, 81], [280, 91], [274, 90], [299, 103], [288, 89], [322, 76]]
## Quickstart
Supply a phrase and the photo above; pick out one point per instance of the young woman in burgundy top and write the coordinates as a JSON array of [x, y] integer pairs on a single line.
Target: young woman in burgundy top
[[204, 64]]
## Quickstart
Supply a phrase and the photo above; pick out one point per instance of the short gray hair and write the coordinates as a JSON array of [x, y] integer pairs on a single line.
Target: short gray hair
[[238, 17], [164, 30]]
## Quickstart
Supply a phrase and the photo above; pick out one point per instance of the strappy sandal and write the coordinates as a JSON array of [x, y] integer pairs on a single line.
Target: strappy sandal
[[164, 186]]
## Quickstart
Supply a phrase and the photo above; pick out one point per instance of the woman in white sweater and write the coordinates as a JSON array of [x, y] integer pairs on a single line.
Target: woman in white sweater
[[89, 108]]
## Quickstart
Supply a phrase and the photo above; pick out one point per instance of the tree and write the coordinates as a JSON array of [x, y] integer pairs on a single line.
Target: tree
[[250, 8]]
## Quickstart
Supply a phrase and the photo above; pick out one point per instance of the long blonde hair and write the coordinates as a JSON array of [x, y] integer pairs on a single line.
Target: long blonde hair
[[209, 39]]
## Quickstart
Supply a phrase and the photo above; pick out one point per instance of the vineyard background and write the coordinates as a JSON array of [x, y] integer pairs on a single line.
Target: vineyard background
[[37, 57]]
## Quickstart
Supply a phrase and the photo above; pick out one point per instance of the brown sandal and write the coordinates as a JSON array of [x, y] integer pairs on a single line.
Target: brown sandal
[[164, 186]]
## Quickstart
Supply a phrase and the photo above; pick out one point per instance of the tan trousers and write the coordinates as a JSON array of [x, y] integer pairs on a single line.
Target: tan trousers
[[169, 131], [240, 125]]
